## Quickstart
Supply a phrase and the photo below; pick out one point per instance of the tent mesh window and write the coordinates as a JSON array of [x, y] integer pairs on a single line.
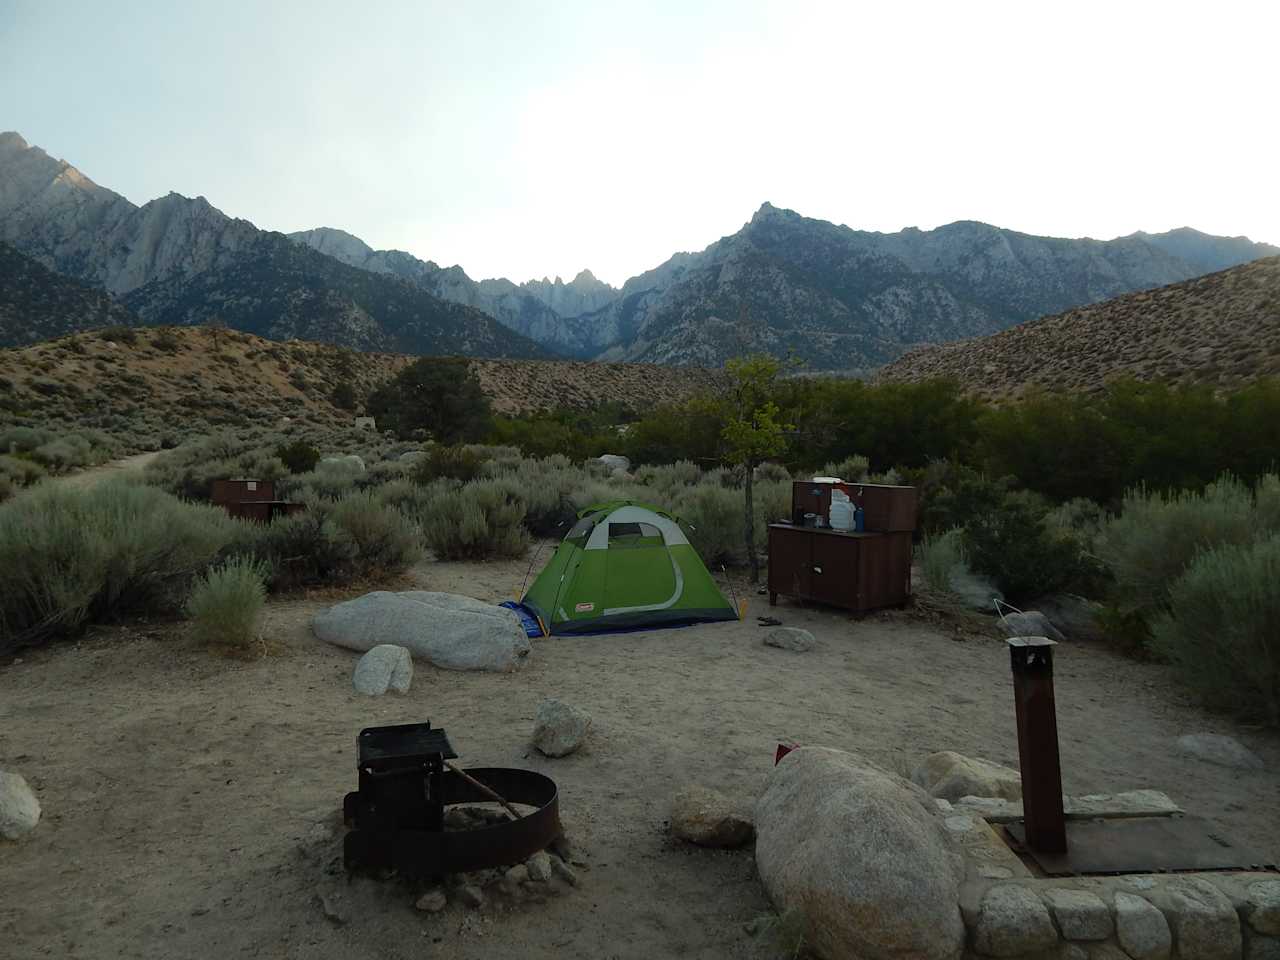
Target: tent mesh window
[[581, 530], [634, 535]]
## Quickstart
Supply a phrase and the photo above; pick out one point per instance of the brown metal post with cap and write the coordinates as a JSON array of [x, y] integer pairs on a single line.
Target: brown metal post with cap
[[1032, 661]]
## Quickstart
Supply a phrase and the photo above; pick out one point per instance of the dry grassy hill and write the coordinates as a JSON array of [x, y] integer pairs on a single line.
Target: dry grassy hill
[[1221, 329], [166, 378]]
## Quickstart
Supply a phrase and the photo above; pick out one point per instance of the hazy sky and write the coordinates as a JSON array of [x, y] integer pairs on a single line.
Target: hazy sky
[[532, 139]]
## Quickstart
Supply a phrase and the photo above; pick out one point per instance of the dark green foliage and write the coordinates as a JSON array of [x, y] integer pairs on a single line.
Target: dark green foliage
[[343, 396], [433, 397], [1027, 558], [165, 341], [451, 463], [38, 304], [299, 456], [119, 334]]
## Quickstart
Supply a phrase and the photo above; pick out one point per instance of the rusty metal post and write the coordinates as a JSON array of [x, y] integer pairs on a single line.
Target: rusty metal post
[[1032, 662]]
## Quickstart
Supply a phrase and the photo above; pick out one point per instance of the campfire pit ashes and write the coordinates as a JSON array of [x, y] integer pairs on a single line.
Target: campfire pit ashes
[[396, 816]]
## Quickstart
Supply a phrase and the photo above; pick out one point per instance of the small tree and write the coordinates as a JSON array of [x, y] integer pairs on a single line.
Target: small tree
[[434, 395], [752, 432]]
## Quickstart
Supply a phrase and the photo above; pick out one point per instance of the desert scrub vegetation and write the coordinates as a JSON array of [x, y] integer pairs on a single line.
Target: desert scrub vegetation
[[74, 557], [476, 521], [225, 602], [1221, 628], [1154, 539]]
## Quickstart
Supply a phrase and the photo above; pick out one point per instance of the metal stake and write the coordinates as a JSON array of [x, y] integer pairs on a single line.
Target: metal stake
[[1032, 661]]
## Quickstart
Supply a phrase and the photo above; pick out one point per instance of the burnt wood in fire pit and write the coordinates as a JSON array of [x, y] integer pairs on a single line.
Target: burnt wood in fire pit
[[397, 814]]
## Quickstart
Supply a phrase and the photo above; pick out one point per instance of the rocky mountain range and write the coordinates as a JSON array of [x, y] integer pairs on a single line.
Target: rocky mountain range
[[539, 309], [1222, 329], [833, 297], [36, 303], [178, 260]]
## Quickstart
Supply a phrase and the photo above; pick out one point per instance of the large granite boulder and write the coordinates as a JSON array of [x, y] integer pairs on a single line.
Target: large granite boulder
[[861, 856], [445, 629], [952, 776]]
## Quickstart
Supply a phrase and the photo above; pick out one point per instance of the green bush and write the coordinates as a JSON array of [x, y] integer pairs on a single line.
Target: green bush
[[1154, 538], [19, 472], [433, 396], [941, 555], [1220, 631], [714, 523], [303, 548], [226, 601], [73, 557], [772, 502], [298, 456], [452, 463], [853, 468], [769, 472], [1025, 556], [384, 540], [478, 521]]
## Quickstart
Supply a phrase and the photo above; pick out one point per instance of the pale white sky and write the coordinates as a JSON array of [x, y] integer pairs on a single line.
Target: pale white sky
[[531, 139]]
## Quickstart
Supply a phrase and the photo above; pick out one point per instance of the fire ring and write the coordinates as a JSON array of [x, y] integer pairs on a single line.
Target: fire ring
[[397, 815]]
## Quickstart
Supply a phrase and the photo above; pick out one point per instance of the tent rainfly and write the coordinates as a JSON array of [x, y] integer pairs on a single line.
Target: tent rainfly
[[624, 565]]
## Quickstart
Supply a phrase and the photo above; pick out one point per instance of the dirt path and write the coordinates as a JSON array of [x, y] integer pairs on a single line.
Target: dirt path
[[94, 475], [189, 799]]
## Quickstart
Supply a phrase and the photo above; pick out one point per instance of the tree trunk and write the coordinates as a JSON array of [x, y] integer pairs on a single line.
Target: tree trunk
[[751, 523]]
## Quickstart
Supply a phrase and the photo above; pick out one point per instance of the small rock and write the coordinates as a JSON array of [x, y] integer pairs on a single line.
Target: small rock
[[709, 819], [952, 776], [1141, 928], [790, 638], [565, 850], [331, 904], [1030, 623], [539, 867], [1264, 906], [559, 729], [1215, 748], [385, 667], [433, 901], [516, 875], [1204, 921], [19, 808], [472, 896], [1013, 921], [1104, 951], [1081, 915], [564, 872]]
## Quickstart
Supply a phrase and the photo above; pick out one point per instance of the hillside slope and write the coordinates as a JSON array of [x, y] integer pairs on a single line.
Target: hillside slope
[[36, 303], [1222, 329], [175, 380], [181, 260]]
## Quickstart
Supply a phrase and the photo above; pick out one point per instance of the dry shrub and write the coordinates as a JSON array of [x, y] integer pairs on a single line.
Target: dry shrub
[[225, 602]]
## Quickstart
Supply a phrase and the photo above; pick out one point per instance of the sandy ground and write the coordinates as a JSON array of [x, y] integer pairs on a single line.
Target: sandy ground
[[112, 468], [188, 796]]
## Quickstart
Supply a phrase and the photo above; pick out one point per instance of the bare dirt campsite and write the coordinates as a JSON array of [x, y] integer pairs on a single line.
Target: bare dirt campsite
[[191, 800]]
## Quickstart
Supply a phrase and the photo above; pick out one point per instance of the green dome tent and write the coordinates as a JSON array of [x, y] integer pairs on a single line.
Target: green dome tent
[[624, 564]]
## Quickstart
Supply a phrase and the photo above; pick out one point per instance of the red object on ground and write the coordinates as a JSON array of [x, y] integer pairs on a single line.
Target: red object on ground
[[783, 750]]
